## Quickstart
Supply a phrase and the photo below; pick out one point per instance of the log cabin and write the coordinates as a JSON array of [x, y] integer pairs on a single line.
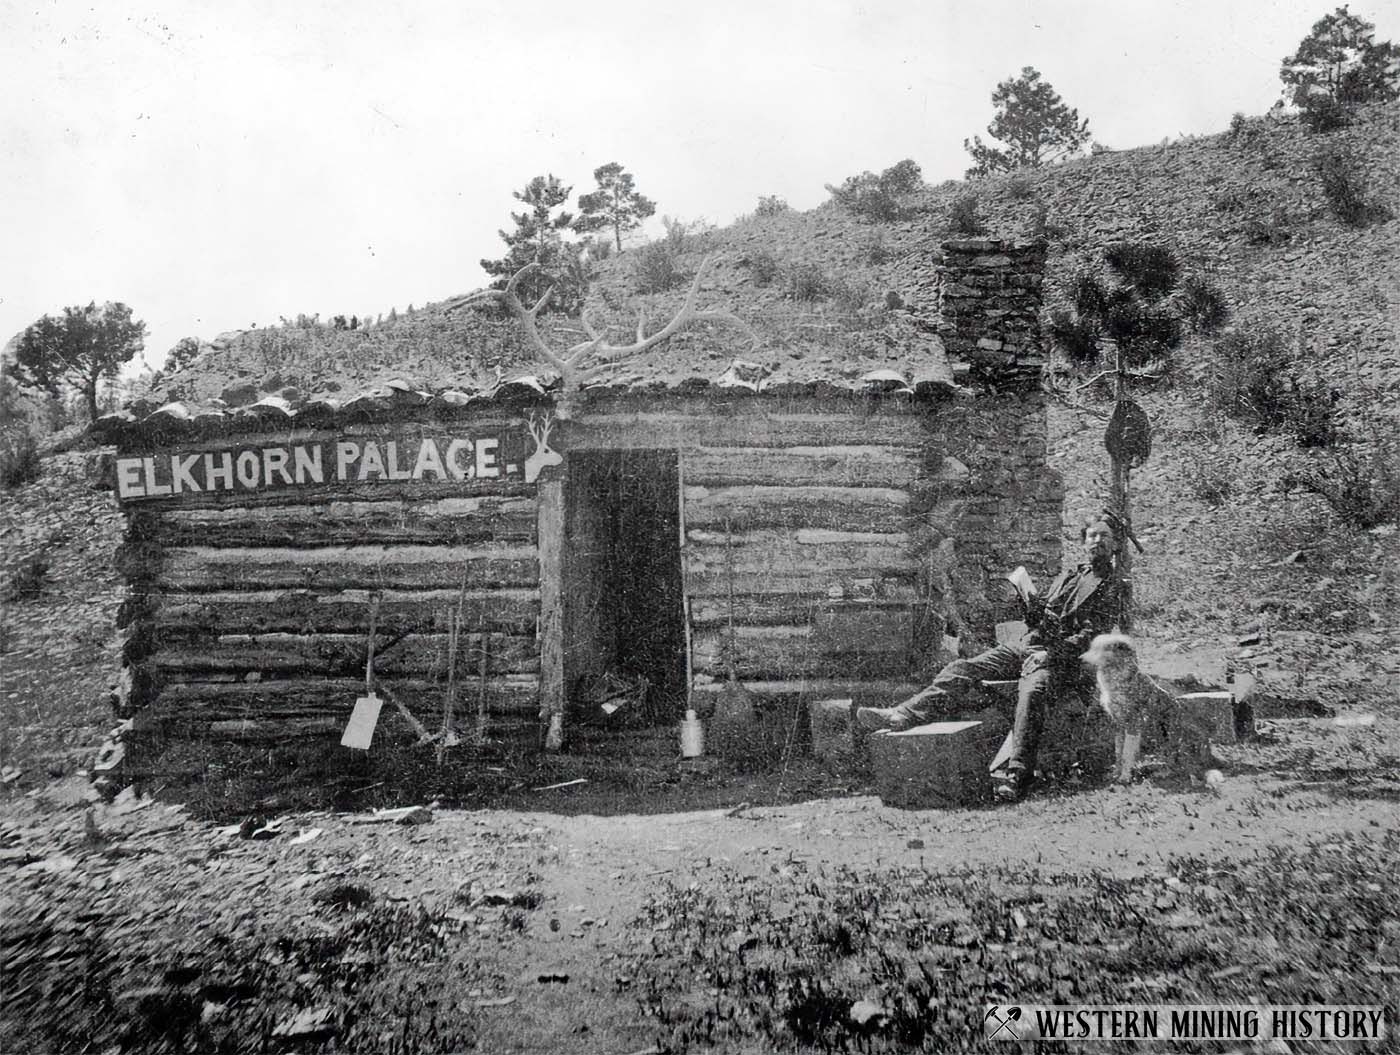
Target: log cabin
[[801, 528]]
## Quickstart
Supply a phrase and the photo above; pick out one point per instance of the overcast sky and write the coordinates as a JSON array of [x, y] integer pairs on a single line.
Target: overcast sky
[[218, 165]]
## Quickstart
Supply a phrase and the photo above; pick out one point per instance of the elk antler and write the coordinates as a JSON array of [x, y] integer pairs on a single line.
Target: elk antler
[[571, 363]]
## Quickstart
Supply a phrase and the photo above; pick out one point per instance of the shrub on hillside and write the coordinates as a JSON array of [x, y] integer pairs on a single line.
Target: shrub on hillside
[[1269, 228], [1322, 113], [1256, 377], [655, 267], [19, 458], [963, 218], [763, 267], [1248, 373], [878, 198], [1018, 188], [1361, 486], [26, 579], [1343, 177], [851, 295], [806, 282], [1210, 479], [771, 205]]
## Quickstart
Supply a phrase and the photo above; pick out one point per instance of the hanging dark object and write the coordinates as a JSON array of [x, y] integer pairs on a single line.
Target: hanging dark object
[[1129, 434]]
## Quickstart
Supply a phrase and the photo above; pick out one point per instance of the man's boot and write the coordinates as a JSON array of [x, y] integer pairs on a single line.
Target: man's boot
[[894, 719]]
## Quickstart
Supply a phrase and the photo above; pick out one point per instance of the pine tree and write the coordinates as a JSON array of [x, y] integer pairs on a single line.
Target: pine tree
[[79, 349], [1034, 123], [538, 238], [615, 204], [1339, 62]]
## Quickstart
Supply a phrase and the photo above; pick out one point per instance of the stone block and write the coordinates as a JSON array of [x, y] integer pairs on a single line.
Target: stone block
[[1216, 711], [940, 765], [833, 731]]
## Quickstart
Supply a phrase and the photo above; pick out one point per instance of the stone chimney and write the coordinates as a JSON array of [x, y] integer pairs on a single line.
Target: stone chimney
[[989, 294]]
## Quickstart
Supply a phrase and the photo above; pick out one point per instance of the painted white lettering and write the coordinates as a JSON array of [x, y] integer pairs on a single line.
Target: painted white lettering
[[428, 461], [224, 472], [391, 455], [275, 461], [456, 468], [486, 457], [129, 478], [249, 469], [370, 461], [345, 453], [153, 488], [181, 477], [308, 464]]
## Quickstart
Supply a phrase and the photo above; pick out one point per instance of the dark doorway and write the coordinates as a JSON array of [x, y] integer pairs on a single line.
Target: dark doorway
[[624, 616]]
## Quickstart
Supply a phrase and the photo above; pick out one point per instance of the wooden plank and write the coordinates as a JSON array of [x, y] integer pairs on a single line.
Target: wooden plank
[[306, 611], [864, 691], [776, 562], [347, 567], [551, 557], [202, 702], [329, 655], [790, 608], [737, 428], [864, 465], [838, 508], [408, 491], [444, 520], [786, 652], [865, 629]]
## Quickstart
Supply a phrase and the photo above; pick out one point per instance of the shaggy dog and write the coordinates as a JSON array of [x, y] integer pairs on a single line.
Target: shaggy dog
[[1137, 705]]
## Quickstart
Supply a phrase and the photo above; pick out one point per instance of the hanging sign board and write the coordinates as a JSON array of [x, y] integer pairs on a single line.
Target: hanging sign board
[[513, 453]]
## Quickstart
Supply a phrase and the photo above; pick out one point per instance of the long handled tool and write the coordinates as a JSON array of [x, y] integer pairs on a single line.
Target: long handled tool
[[372, 682]]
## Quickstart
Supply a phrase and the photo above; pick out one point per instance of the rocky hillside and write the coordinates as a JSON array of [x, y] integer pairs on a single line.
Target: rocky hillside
[[1238, 561]]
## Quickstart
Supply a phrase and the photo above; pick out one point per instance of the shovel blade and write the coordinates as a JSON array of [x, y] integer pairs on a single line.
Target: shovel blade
[[359, 731]]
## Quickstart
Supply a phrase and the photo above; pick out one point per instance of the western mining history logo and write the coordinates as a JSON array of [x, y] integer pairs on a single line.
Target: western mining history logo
[[1230, 1022]]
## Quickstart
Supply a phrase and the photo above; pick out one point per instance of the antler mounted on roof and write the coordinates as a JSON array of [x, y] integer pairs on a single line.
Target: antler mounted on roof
[[573, 364]]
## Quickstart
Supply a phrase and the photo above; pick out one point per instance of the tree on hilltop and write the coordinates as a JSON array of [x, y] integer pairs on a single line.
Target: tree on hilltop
[[616, 204], [180, 356], [80, 349], [1034, 123], [538, 239], [1340, 63]]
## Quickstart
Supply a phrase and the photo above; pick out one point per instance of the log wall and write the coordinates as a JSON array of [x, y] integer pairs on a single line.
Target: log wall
[[842, 538], [247, 615], [829, 545]]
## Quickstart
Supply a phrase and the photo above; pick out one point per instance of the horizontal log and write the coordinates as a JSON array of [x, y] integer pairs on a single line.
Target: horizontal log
[[278, 730], [306, 611], [444, 520], [372, 491], [776, 609], [862, 465], [347, 567], [201, 703], [778, 563], [865, 692], [784, 652], [839, 508], [329, 655], [722, 428]]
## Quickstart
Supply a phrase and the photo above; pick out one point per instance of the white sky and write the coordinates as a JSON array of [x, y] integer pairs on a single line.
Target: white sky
[[218, 164]]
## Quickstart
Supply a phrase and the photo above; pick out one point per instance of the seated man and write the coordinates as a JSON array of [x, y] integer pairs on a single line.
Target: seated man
[[1079, 605]]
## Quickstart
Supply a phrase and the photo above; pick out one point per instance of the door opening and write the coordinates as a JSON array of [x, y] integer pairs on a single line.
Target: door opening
[[624, 616]]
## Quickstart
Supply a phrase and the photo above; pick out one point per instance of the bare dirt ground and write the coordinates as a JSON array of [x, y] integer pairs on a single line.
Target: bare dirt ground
[[663, 909]]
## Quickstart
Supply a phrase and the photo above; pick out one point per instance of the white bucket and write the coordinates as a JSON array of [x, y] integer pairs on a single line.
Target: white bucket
[[692, 736]]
